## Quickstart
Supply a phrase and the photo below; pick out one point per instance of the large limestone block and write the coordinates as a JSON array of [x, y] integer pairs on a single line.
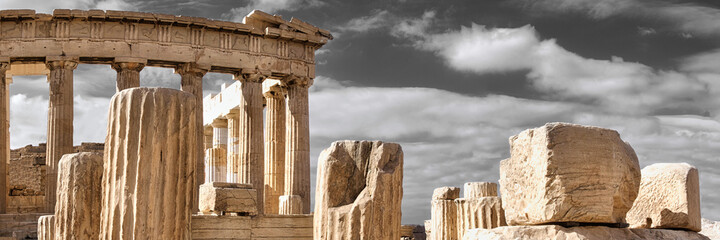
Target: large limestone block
[[556, 232], [669, 197], [359, 191], [46, 227], [564, 172], [150, 160], [483, 212], [479, 189], [221, 198], [79, 188]]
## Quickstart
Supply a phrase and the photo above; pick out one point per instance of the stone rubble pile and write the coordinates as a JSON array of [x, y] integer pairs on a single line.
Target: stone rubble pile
[[568, 181]]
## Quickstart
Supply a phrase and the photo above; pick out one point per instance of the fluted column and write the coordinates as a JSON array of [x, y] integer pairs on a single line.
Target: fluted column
[[191, 75], [4, 134], [250, 151], [217, 154], [77, 214], [274, 147], [60, 121], [148, 178], [297, 143], [128, 72], [233, 125]]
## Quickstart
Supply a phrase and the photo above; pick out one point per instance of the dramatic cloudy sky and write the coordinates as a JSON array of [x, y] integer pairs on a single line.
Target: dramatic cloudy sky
[[452, 81]]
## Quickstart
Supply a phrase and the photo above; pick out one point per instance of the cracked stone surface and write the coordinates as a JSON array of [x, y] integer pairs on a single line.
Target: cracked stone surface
[[564, 172]]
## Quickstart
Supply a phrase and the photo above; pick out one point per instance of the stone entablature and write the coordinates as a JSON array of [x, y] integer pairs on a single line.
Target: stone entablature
[[262, 41]]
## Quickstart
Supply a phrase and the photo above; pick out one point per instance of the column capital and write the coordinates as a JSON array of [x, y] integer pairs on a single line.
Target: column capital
[[61, 62], [232, 113], [295, 80], [4, 67], [192, 68], [252, 75], [274, 89], [133, 66], [219, 123]]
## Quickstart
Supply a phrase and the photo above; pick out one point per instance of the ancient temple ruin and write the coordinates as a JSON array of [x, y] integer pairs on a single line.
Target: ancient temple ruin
[[263, 48]]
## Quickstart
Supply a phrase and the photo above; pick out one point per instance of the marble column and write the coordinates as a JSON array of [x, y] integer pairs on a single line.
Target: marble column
[[274, 147], [60, 121], [217, 154], [149, 172], [297, 144], [191, 75], [233, 125], [250, 150], [4, 133], [128, 72]]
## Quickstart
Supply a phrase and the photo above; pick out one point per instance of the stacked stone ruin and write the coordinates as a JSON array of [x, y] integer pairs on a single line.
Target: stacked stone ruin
[[452, 216], [567, 181]]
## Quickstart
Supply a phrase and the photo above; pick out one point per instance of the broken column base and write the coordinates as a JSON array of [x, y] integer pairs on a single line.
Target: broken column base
[[584, 232], [290, 204], [221, 198]]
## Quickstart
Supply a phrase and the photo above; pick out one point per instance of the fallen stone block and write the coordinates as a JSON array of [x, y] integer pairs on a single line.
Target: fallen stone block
[[669, 197], [564, 172], [222, 198]]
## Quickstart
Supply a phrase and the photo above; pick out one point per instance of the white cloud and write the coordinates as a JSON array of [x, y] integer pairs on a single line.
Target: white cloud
[[620, 86], [28, 119], [481, 50], [48, 6], [693, 18], [414, 27], [376, 19], [272, 6]]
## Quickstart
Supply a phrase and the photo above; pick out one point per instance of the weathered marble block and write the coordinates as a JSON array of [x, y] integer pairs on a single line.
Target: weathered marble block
[[79, 191], [669, 197], [150, 163], [46, 227], [359, 191], [222, 198], [564, 172]]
